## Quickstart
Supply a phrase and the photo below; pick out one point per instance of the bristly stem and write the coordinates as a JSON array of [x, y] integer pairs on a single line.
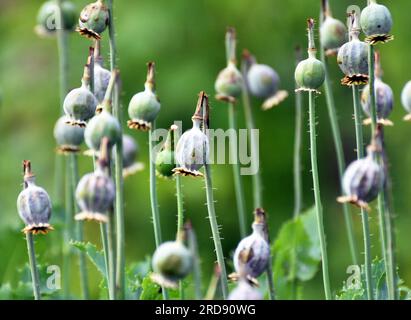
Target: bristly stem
[[238, 184], [249, 118], [317, 197], [335, 128], [80, 230], [386, 231], [210, 202], [118, 169], [33, 266], [297, 148], [364, 213]]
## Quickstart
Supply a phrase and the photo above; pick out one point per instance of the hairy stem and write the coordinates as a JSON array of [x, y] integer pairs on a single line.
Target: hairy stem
[[335, 128], [33, 266], [238, 184], [317, 197]]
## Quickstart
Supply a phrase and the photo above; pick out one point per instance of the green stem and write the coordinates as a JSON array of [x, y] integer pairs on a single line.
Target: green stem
[[153, 194], [317, 197], [297, 155], [215, 229], [371, 72], [180, 202], [270, 280], [104, 242], [193, 246], [257, 185], [33, 266], [118, 170], [335, 128], [364, 213], [62, 42], [111, 256], [80, 230], [238, 184], [69, 206]]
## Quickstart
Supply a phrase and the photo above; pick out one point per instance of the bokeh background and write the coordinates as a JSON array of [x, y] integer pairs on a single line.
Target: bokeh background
[[186, 39]]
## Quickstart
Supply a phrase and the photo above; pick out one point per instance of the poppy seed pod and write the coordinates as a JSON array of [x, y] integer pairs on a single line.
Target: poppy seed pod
[[253, 252], [172, 261], [384, 99], [34, 204], [333, 34], [68, 137], [130, 151], [352, 58], [80, 103], [310, 73], [362, 181], [245, 291], [46, 17], [144, 106], [101, 80], [406, 100], [229, 83], [165, 162], [94, 19], [376, 22]]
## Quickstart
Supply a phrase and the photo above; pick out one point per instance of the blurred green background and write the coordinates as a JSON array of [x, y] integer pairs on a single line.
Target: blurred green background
[[186, 40]]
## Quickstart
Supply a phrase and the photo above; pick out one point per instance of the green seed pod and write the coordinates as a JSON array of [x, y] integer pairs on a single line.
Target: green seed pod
[[34, 204], [376, 22], [68, 137], [353, 58], [94, 19], [310, 73], [46, 17], [245, 291], [172, 261], [333, 34], [165, 162], [80, 103], [144, 106], [406, 100]]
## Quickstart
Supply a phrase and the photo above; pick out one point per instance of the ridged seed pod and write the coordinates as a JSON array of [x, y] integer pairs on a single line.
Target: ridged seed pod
[[144, 106], [406, 100], [245, 291], [34, 205], [80, 103], [310, 73], [362, 181], [165, 162], [68, 137], [253, 252], [376, 22], [46, 17], [229, 83], [172, 261], [384, 99], [94, 19], [352, 58]]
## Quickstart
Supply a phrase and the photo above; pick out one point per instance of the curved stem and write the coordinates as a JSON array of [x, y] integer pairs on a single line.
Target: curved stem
[[118, 169], [364, 213], [238, 184], [317, 197], [256, 178], [335, 128], [80, 231], [33, 266]]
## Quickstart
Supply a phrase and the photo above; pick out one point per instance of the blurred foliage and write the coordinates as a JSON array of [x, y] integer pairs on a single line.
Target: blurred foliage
[[186, 39]]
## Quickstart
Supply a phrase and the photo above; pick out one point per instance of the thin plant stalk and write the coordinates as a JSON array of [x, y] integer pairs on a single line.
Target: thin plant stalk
[[364, 213], [336, 133], [238, 184], [104, 242], [153, 194], [317, 197], [297, 155], [110, 228], [118, 169], [69, 206], [80, 231], [210, 204], [386, 232], [249, 118], [193, 247], [33, 266]]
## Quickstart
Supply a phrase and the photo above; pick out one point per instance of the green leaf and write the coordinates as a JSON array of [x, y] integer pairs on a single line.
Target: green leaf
[[135, 274], [150, 290], [296, 254], [96, 256]]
